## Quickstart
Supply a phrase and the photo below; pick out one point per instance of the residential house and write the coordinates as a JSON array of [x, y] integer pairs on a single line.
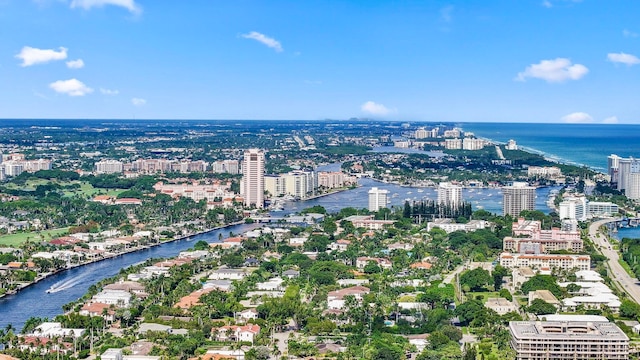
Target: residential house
[[336, 299], [237, 333], [225, 273], [361, 262]]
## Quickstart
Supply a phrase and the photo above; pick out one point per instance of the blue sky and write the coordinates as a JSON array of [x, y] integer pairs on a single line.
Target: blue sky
[[510, 61]]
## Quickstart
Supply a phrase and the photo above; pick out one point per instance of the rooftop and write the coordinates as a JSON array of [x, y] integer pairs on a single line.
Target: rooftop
[[562, 330]]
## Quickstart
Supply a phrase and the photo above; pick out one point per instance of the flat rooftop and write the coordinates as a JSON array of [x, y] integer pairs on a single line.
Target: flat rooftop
[[562, 330]]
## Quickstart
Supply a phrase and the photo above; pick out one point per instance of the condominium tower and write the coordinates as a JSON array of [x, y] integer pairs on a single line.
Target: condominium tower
[[517, 197], [377, 199], [449, 194], [252, 186]]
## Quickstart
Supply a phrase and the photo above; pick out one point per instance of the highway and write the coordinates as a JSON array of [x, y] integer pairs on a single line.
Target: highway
[[617, 273]]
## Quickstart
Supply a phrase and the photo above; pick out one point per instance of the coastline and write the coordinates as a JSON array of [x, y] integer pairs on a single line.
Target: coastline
[[115, 255], [549, 157]]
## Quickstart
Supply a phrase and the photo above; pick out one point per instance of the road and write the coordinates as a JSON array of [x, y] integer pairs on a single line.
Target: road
[[617, 273]]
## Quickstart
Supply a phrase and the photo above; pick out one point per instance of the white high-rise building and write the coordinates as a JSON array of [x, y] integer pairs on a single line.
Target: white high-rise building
[[252, 186], [421, 133], [109, 167], [632, 190], [517, 197], [511, 145], [377, 199], [626, 167], [613, 163], [449, 194], [573, 208], [13, 167], [300, 184]]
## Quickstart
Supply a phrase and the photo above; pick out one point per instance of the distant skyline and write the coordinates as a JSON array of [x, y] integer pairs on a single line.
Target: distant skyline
[[551, 61]]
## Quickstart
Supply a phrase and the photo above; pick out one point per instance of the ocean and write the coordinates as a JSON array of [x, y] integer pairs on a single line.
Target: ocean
[[576, 144]]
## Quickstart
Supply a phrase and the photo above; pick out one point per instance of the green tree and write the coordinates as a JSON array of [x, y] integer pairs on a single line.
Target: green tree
[[542, 282], [372, 268], [476, 279], [541, 307], [629, 309]]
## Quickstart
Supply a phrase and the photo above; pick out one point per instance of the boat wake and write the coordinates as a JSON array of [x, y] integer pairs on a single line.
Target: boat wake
[[64, 284]]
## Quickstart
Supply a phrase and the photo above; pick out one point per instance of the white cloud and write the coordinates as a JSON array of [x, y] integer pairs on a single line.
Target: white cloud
[[577, 117], [270, 42], [623, 58], [75, 64], [71, 87], [610, 120], [88, 4], [375, 109], [547, 4], [109, 92], [557, 70], [629, 33], [446, 13], [32, 56], [138, 101]]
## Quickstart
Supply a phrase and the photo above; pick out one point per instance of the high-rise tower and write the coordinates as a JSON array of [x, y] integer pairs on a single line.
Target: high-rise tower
[[517, 197], [252, 186], [449, 194]]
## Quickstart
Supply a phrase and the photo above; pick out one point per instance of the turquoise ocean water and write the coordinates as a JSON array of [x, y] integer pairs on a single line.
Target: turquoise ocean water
[[581, 144]]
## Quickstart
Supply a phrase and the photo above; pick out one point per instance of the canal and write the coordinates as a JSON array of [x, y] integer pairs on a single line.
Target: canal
[[34, 301]]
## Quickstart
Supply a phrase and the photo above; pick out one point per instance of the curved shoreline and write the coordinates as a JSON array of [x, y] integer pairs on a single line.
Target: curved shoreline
[[547, 156]]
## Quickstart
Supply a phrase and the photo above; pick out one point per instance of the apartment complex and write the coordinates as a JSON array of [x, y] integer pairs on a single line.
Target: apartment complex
[[544, 171], [450, 194], [334, 179], [577, 207], [517, 197], [152, 166], [298, 184], [109, 167], [528, 237], [625, 173], [570, 340], [377, 199], [545, 261], [252, 185], [226, 166]]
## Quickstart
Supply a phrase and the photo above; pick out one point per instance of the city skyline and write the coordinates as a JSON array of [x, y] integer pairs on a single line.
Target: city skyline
[[551, 61]]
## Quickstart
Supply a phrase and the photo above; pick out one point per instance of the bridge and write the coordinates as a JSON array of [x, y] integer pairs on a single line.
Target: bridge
[[623, 223]]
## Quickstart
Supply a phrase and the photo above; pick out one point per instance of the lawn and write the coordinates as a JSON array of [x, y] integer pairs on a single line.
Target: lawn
[[19, 238], [485, 295], [87, 190]]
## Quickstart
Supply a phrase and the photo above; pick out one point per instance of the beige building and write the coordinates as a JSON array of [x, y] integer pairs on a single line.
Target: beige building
[[517, 197], [501, 305], [547, 261], [570, 340], [252, 185]]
